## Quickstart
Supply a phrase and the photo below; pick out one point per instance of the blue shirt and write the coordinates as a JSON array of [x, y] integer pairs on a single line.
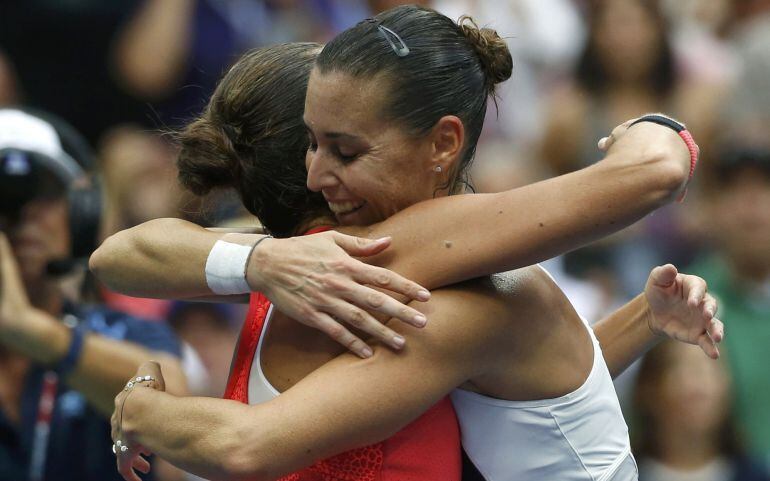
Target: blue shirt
[[79, 446]]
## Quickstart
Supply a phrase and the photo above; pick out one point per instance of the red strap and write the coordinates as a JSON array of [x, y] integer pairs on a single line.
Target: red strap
[[316, 230], [238, 382]]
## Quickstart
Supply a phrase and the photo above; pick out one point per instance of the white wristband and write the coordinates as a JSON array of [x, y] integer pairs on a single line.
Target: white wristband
[[226, 268]]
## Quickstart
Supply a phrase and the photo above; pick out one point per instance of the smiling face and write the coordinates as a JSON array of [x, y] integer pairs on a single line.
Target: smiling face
[[367, 167]]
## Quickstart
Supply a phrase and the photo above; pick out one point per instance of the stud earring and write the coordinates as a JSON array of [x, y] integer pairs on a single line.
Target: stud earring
[[437, 169]]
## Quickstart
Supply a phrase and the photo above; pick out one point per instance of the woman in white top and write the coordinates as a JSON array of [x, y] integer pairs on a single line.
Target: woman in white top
[[547, 351]]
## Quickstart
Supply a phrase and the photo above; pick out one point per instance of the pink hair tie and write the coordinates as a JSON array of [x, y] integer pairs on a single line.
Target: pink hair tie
[[683, 133], [692, 147]]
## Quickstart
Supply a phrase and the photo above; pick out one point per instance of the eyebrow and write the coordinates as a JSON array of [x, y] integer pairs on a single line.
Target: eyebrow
[[333, 135]]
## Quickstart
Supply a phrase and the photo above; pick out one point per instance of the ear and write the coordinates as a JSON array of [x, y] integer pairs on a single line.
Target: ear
[[448, 139]]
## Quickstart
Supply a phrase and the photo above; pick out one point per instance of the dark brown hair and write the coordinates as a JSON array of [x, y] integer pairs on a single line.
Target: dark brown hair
[[251, 138], [451, 68], [655, 366], [593, 77]]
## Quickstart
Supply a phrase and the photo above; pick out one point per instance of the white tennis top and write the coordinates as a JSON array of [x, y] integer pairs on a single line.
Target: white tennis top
[[579, 436]]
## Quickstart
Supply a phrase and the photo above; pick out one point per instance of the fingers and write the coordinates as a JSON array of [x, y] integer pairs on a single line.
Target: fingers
[[337, 331], [360, 246], [152, 368], [114, 423], [376, 301], [362, 320], [716, 330], [663, 276], [386, 279], [125, 461], [708, 346], [694, 288], [141, 464], [606, 142], [709, 306]]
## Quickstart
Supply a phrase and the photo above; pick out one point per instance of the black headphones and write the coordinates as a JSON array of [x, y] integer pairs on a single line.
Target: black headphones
[[84, 195], [83, 191]]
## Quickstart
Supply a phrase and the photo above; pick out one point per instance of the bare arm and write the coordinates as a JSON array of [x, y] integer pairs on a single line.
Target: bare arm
[[104, 364], [474, 235], [221, 439], [436, 243], [625, 335], [444, 241], [673, 305]]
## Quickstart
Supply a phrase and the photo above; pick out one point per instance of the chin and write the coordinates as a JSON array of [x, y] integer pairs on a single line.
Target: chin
[[359, 217]]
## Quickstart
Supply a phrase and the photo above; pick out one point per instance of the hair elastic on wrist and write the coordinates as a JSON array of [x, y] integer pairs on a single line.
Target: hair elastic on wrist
[[253, 248], [680, 129]]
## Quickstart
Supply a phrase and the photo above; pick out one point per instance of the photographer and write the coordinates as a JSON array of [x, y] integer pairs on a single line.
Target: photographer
[[61, 362]]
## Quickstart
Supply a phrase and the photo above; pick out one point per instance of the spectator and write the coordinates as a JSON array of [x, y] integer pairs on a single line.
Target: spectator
[[211, 330], [738, 273], [627, 68], [685, 430], [58, 378]]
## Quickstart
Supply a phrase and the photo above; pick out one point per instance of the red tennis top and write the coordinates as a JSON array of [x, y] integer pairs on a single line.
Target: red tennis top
[[428, 449]]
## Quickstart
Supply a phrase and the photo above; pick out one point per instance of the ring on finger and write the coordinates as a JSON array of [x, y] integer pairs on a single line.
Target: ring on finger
[[119, 446]]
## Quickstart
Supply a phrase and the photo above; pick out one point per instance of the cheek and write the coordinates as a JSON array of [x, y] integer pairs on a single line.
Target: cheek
[[56, 224]]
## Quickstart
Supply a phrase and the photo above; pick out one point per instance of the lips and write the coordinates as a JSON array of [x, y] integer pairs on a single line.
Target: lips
[[344, 208]]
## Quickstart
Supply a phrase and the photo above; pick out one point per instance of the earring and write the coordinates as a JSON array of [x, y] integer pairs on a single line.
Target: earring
[[437, 169]]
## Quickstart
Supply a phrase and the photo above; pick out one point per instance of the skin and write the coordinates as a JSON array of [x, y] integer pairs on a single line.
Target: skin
[[454, 352], [355, 159], [640, 173], [30, 309], [741, 207], [695, 396]]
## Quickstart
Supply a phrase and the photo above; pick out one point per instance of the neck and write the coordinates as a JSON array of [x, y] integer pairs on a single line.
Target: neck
[[680, 449]]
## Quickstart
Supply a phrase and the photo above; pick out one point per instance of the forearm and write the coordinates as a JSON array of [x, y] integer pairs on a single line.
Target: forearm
[[199, 435], [477, 235], [103, 367], [625, 335], [162, 258]]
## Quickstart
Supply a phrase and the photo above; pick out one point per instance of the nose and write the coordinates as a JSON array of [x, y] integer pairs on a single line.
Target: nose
[[320, 171]]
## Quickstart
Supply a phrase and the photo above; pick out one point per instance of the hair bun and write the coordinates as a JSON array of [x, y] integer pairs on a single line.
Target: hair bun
[[492, 50], [207, 157]]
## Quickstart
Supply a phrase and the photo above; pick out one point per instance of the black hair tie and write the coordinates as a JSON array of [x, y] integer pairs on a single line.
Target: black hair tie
[[661, 120]]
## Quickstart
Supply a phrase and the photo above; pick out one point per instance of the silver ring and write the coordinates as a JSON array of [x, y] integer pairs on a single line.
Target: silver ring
[[119, 446], [136, 380]]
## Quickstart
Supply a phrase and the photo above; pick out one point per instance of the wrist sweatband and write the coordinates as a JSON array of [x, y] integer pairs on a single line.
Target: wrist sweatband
[[70, 360], [680, 129], [226, 267]]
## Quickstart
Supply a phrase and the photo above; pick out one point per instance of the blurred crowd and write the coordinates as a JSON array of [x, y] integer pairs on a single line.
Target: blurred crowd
[[125, 73]]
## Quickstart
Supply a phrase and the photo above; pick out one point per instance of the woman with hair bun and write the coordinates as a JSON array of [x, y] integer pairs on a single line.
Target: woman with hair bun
[[394, 109]]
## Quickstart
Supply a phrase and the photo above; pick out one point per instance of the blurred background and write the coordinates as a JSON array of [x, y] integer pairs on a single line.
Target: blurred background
[[124, 71]]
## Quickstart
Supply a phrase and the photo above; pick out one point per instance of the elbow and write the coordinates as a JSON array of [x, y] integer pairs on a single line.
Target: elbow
[[100, 261], [256, 452], [107, 261], [245, 463]]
